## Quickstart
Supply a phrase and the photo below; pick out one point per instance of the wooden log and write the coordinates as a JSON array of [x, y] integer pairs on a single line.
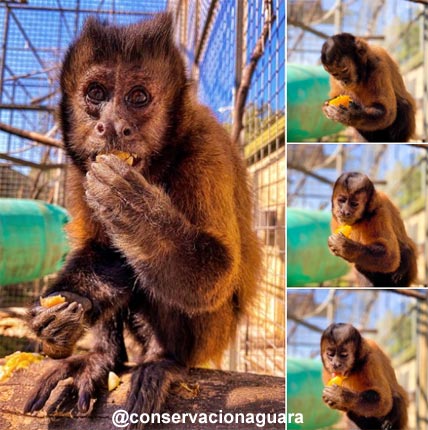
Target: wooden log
[[228, 392]]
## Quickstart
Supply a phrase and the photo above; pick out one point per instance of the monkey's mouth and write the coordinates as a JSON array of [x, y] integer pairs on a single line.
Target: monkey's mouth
[[129, 158]]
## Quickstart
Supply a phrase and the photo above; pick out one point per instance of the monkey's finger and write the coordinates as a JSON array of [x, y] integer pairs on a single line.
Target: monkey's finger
[[40, 395], [65, 401], [103, 179]]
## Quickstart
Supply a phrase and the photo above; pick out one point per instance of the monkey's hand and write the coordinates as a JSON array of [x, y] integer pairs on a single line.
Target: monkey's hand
[[345, 115], [343, 247], [60, 326], [89, 377], [125, 202], [338, 398]]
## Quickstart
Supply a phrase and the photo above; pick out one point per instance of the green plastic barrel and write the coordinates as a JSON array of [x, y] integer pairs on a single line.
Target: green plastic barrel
[[32, 239], [308, 258], [304, 395], [307, 89]]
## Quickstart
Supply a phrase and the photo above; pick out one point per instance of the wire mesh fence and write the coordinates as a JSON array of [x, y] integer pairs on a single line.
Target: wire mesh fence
[[217, 39], [226, 34]]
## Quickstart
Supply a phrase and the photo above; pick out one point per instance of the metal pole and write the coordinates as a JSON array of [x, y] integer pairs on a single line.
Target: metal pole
[[425, 68], [4, 50]]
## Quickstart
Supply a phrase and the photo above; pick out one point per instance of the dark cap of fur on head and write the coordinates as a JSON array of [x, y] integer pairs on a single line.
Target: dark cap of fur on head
[[100, 42], [356, 182], [337, 47], [340, 333]]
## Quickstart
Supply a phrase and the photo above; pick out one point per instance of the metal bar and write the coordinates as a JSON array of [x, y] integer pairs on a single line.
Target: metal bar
[[204, 33], [30, 74], [26, 107], [37, 137], [30, 163], [68, 9], [4, 46]]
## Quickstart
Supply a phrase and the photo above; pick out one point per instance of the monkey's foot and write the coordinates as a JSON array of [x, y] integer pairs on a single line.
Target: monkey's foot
[[150, 385], [89, 374]]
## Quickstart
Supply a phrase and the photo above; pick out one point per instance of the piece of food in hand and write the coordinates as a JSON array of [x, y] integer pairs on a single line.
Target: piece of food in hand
[[344, 229], [336, 380], [128, 158], [48, 302], [113, 381], [342, 100], [18, 360]]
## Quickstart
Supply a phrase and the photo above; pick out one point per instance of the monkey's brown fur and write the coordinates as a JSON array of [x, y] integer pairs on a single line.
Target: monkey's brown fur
[[378, 244], [382, 109], [370, 393], [164, 247]]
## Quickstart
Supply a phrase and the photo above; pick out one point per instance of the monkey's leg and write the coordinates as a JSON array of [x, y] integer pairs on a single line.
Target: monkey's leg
[[159, 367], [89, 372], [397, 418], [96, 282], [366, 423]]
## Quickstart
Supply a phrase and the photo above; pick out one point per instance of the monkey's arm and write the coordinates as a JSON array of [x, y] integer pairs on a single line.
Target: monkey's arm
[[374, 402], [382, 255], [376, 111], [95, 281], [189, 265]]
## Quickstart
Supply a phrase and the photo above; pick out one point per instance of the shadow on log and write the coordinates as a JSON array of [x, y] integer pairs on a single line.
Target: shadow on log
[[228, 392]]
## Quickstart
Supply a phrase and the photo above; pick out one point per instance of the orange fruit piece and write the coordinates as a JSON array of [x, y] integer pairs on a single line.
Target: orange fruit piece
[[336, 380], [48, 302], [342, 100], [344, 229]]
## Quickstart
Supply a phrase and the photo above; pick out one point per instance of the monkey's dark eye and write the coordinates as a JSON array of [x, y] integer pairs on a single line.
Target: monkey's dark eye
[[354, 204], [96, 93], [138, 97], [344, 355]]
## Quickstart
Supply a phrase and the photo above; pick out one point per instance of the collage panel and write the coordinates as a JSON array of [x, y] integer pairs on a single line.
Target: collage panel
[[356, 359], [356, 71], [356, 215]]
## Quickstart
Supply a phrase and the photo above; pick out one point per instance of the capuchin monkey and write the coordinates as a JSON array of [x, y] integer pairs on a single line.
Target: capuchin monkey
[[382, 110], [364, 384], [378, 245], [161, 221]]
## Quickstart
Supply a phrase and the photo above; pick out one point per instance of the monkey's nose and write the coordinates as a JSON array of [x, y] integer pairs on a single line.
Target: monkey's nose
[[104, 129], [108, 129]]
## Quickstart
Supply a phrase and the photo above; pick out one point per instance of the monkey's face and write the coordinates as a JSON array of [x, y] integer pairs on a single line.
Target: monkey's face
[[339, 348], [338, 358], [344, 71], [348, 208], [352, 194], [121, 107]]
